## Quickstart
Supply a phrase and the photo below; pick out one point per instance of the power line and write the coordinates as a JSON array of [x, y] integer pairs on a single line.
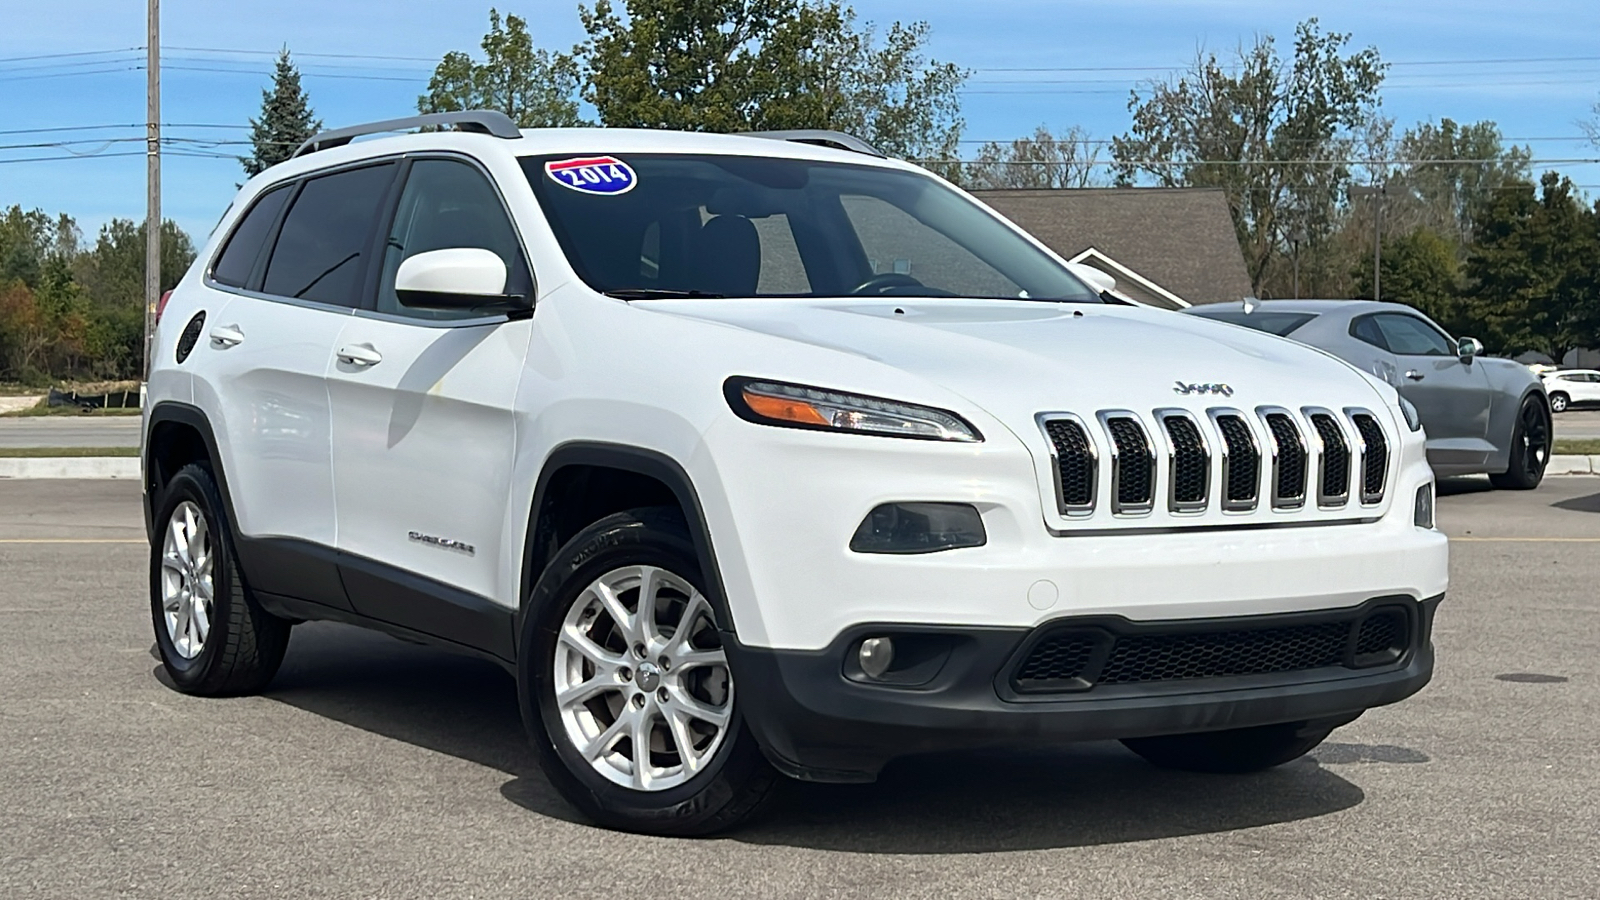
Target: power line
[[297, 54], [65, 55]]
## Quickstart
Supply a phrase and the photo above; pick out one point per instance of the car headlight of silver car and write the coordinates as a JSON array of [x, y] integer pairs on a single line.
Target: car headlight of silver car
[[1413, 418], [819, 409]]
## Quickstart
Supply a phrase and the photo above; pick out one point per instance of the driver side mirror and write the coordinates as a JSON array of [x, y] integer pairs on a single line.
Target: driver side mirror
[[458, 278], [1467, 348]]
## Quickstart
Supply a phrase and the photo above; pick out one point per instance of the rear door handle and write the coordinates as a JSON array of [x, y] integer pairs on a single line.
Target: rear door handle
[[1414, 375], [227, 336], [359, 355]]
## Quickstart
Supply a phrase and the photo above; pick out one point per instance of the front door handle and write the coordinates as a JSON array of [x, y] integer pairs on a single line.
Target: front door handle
[[1414, 375], [360, 355], [227, 336]]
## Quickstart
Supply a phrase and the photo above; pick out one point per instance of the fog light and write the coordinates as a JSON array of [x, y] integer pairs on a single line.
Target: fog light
[[919, 528], [876, 656], [1422, 517]]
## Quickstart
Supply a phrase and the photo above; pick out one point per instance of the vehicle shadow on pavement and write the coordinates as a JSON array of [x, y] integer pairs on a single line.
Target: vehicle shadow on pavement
[[1589, 504], [1075, 796], [445, 702], [975, 802]]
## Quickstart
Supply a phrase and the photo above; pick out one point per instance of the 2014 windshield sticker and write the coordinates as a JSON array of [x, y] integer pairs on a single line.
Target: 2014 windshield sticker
[[593, 174]]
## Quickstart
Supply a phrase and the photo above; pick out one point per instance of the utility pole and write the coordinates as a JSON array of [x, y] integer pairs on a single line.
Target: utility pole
[[1296, 238], [1377, 193], [152, 215]]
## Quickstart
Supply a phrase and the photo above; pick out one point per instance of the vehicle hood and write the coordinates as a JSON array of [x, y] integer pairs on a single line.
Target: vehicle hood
[[1019, 358]]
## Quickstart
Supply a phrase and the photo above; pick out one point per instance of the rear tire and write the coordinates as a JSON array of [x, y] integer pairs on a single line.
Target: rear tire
[[636, 717], [1559, 402], [214, 638], [1530, 449], [1237, 751]]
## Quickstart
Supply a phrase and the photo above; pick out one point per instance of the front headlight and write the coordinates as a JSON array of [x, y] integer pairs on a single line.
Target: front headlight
[[799, 406], [1413, 418]]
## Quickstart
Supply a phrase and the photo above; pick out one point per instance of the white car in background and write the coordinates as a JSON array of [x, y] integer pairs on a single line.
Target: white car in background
[[1571, 387]]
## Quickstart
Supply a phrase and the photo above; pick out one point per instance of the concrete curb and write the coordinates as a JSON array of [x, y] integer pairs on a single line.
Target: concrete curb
[[1573, 465], [71, 467]]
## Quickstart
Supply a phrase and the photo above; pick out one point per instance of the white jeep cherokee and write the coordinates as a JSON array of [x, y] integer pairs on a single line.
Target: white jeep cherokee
[[763, 454]]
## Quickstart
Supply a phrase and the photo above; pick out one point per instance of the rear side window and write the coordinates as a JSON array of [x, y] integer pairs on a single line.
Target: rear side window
[[321, 249], [239, 257], [1366, 329]]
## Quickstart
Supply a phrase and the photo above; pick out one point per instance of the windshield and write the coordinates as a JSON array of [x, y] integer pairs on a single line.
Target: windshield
[[679, 225], [1278, 323]]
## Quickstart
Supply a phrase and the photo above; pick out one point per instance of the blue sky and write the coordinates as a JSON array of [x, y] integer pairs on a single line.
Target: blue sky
[[1533, 67]]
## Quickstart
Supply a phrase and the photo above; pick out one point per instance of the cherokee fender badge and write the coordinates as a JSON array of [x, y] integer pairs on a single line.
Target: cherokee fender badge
[[443, 543], [1185, 388]]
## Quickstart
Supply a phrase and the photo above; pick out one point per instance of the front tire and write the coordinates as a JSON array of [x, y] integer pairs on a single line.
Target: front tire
[[213, 637], [1530, 449], [625, 689], [1236, 751]]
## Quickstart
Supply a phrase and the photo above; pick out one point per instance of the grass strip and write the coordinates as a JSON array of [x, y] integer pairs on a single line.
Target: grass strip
[[42, 410], [66, 452], [1577, 446]]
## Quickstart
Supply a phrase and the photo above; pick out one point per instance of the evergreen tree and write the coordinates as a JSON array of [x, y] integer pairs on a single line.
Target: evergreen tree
[[286, 120]]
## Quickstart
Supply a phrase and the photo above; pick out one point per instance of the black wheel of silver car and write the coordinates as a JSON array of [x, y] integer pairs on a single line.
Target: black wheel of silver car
[[1530, 449], [1559, 402], [213, 637], [1235, 751], [626, 689]]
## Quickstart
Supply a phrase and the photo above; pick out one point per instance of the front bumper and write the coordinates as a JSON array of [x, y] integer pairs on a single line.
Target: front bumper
[[818, 723]]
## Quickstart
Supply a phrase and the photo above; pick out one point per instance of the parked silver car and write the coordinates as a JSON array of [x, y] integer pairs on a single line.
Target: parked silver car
[[1482, 415]]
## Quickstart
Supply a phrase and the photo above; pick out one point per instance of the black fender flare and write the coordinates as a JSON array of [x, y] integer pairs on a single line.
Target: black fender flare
[[188, 415], [649, 463]]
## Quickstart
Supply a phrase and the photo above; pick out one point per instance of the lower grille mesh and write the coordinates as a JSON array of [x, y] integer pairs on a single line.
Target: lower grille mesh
[[1074, 659]]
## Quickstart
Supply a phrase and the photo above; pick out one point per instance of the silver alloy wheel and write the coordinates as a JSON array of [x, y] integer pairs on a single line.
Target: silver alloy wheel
[[641, 681], [187, 597]]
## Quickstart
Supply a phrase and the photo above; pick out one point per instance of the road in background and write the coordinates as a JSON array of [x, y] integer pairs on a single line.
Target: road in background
[[377, 768], [1578, 423], [70, 431]]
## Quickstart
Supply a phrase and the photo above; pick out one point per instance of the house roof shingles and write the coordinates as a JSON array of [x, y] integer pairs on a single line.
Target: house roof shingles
[[1180, 238]]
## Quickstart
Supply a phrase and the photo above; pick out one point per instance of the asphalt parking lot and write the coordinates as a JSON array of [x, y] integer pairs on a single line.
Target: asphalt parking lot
[[376, 769]]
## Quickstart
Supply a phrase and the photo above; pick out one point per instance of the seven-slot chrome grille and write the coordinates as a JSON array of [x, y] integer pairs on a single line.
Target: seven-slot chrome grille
[[1226, 459]]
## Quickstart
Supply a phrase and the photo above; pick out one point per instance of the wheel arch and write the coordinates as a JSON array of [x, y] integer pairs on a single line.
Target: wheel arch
[[648, 477], [176, 435]]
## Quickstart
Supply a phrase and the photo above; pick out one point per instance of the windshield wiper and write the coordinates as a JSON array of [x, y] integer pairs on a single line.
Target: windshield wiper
[[660, 294]]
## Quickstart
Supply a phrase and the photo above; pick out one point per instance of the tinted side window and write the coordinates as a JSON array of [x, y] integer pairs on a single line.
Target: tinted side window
[[239, 257], [448, 204], [1366, 329], [327, 232], [1410, 336]]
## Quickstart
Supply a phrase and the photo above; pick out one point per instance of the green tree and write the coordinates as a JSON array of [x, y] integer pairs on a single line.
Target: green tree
[[1531, 269], [1041, 161], [286, 119], [29, 239], [1419, 269], [1272, 133], [535, 88], [1449, 171], [753, 65]]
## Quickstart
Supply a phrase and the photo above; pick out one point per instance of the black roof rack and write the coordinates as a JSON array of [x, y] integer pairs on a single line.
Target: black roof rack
[[838, 140], [481, 121]]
